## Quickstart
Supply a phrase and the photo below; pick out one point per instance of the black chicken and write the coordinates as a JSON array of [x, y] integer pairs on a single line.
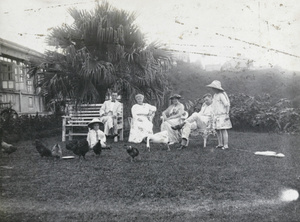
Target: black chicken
[[78, 147], [97, 148], [42, 149], [133, 152]]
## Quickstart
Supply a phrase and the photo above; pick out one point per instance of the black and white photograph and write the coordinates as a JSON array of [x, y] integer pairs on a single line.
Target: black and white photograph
[[148, 110]]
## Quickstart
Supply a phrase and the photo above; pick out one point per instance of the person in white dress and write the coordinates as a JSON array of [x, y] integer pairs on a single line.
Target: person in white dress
[[172, 116], [109, 113], [95, 134], [141, 123], [221, 107], [198, 120]]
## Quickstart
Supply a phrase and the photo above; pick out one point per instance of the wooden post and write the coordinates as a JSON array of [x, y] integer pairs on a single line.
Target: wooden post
[[70, 133], [64, 129]]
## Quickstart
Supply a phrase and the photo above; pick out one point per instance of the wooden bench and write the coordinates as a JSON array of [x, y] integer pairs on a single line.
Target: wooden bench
[[80, 116]]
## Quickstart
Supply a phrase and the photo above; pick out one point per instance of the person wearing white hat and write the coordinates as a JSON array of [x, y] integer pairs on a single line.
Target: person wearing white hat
[[141, 124], [221, 107], [109, 112], [95, 134]]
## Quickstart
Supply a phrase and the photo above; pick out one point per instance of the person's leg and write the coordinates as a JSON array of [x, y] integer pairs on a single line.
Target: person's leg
[[174, 135], [105, 121], [220, 140], [191, 119], [225, 138], [115, 126], [186, 130]]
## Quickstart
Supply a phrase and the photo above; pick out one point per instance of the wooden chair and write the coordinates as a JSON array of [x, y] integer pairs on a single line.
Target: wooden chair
[[204, 133]]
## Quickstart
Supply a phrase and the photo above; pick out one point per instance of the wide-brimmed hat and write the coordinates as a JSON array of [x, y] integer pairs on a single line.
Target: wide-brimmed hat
[[216, 84], [177, 96], [95, 120]]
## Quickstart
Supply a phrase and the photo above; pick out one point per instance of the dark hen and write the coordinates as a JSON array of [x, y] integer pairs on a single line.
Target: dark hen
[[78, 147], [133, 152], [42, 149], [97, 148]]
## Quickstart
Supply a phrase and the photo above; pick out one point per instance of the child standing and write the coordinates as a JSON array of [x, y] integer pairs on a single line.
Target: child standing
[[221, 107], [95, 134]]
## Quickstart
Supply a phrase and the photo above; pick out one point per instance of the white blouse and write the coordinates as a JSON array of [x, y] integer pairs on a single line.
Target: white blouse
[[94, 136]]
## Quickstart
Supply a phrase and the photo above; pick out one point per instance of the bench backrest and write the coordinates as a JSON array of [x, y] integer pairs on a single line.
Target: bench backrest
[[84, 113]]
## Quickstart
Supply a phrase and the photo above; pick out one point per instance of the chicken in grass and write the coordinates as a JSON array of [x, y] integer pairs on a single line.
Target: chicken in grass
[[78, 147], [5, 147], [133, 152], [56, 151], [42, 149], [97, 148]]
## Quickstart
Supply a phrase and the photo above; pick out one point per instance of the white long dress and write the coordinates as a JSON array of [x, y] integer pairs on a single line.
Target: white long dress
[[141, 126]]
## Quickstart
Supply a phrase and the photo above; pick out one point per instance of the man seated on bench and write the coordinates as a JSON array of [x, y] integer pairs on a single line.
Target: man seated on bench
[[196, 120], [109, 112]]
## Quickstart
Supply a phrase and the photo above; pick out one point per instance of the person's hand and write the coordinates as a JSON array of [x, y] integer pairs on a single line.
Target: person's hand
[[140, 120]]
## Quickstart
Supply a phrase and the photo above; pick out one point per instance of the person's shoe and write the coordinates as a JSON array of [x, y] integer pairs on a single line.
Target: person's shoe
[[182, 147], [178, 127], [225, 148], [219, 147]]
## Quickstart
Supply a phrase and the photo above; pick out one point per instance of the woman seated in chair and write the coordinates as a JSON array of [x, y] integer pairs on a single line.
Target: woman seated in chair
[[173, 116], [141, 123]]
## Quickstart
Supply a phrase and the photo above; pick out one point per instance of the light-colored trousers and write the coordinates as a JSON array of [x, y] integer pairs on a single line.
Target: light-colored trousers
[[109, 122], [195, 121]]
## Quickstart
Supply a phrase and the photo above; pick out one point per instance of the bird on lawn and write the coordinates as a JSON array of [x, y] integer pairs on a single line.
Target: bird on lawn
[[56, 151], [42, 149], [78, 147], [5, 147], [97, 148], [133, 152]]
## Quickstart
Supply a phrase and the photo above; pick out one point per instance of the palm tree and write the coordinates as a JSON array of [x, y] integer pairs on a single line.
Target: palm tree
[[103, 49]]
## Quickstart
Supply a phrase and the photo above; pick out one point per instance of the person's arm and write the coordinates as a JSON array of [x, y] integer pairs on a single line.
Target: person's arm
[[202, 109], [225, 102], [102, 136], [88, 139], [164, 113], [152, 110], [119, 109], [102, 109], [134, 112], [179, 114]]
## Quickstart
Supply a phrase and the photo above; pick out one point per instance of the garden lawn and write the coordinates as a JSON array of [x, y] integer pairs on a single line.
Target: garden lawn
[[195, 184]]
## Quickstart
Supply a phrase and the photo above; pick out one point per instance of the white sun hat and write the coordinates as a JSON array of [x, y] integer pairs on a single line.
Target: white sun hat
[[216, 84], [95, 120]]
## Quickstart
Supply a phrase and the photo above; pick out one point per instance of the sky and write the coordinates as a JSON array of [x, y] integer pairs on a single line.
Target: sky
[[215, 31]]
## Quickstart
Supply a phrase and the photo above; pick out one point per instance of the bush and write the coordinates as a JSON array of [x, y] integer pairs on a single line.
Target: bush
[[249, 113], [26, 127]]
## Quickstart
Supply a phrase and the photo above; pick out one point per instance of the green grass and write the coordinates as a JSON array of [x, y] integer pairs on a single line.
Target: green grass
[[196, 184]]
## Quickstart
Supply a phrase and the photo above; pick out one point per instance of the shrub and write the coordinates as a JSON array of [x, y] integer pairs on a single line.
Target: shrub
[[249, 113], [27, 127]]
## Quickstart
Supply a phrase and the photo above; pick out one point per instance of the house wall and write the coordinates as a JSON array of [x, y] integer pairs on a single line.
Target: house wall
[[16, 86]]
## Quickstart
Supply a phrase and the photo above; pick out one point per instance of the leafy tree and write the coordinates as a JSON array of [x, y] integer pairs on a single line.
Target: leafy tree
[[103, 49]]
